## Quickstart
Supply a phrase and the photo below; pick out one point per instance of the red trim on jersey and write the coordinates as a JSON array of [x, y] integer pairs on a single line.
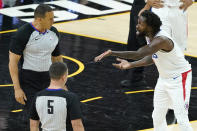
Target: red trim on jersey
[[1, 4], [184, 78]]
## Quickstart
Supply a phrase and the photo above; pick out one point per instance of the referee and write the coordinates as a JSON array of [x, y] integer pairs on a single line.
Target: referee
[[37, 44], [57, 108]]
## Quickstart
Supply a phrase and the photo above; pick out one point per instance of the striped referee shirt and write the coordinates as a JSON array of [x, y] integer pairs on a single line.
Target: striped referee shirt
[[36, 47], [55, 108]]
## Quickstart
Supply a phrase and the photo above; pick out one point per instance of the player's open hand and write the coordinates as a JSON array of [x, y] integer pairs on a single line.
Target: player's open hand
[[124, 64], [20, 96], [186, 4], [103, 55], [155, 3]]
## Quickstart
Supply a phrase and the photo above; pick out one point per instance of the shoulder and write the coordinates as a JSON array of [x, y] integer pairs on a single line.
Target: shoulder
[[71, 97], [161, 39], [71, 94], [25, 28], [24, 32], [163, 43], [41, 92], [162, 36], [53, 29]]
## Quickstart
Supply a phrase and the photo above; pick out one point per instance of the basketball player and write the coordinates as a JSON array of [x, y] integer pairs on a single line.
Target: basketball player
[[56, 107], [173, 16], [174, 83]]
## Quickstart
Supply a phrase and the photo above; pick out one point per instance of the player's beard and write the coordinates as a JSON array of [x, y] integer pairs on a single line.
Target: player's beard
[[138, 33]]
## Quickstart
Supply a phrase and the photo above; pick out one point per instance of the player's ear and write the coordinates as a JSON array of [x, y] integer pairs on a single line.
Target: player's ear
[[65, 76], [62, 77]]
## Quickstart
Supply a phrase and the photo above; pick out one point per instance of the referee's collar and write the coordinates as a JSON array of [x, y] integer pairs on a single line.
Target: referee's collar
[[37, 29], [54, 89]]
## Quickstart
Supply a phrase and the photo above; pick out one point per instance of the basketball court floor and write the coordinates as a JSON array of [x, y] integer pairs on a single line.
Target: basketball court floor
[[87, 28]]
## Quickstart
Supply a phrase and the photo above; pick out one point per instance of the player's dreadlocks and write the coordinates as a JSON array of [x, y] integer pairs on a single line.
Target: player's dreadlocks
[[152, 20]]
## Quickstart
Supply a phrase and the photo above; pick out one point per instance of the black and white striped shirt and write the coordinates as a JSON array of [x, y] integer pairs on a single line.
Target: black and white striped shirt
[[36, 47], [55, 108]]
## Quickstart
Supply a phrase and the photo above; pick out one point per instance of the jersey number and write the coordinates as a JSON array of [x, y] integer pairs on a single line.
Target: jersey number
[[50, 107]]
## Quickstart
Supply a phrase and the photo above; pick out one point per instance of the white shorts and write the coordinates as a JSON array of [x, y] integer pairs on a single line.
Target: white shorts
[[174, 22], [173, 93]]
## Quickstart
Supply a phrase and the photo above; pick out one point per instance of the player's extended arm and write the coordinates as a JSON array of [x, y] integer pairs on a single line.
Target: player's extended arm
[[34, 125], [77, 125], [13, 68], [156, 45], [146, 61], [57, 59]]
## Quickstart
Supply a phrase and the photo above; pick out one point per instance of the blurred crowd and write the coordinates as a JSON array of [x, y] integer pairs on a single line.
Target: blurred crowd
[[11, 3]]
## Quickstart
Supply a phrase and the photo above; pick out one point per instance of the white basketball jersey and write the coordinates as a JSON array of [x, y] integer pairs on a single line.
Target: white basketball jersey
[[170, 64], [172, 2]]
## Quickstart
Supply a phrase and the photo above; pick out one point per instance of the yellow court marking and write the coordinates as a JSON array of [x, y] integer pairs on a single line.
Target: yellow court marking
[[194, 87], [91, 99], [7, 31], [190, 55], [146, 129], [6, 85], [19, 110], [141, 91], [80, 64]]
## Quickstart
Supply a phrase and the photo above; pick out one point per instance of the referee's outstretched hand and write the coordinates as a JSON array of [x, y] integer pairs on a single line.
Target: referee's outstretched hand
[[20, 96]]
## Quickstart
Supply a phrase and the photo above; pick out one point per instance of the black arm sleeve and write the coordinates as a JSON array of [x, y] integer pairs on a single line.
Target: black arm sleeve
[[20, 39], [56, 51], [33, 112], [74, 109]]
